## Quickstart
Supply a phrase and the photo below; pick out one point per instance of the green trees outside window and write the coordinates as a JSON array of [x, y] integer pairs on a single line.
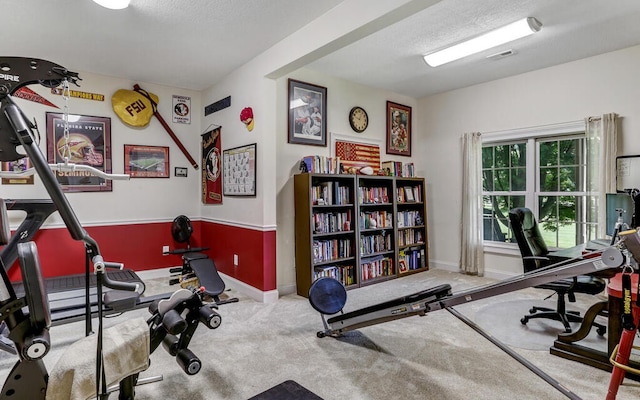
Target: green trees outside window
[[547, 175]]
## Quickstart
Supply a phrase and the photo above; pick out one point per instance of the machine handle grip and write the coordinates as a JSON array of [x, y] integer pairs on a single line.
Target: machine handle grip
[[99, 265], [113, 265], [119, 285]]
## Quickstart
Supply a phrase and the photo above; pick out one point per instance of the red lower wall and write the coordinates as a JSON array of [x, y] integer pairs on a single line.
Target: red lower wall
[[139, 247]]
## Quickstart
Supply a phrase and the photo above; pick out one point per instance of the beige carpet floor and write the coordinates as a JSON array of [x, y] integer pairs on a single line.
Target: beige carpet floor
[[260, 345]]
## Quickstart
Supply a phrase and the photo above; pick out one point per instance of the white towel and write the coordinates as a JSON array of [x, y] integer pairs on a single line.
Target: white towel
[[125, 352]]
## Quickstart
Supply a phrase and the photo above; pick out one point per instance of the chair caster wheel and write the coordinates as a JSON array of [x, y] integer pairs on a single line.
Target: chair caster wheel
[[601, 331], [321, 335], [524, 320]]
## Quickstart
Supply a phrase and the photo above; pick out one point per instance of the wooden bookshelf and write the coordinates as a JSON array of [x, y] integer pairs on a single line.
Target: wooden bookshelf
[[346, 227]]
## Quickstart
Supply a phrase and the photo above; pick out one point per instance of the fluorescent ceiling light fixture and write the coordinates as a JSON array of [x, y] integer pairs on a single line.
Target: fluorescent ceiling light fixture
[[508, 33], [113, 4]]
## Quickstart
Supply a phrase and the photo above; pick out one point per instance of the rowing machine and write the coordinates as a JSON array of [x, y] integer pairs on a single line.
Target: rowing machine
[[328, 296]]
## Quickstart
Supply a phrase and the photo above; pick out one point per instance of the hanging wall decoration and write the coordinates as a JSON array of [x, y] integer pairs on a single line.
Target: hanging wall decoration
[[88, 143], [398, 129], [240, 171], [307, 113], [211, 168], [246, 116], [181, 109]]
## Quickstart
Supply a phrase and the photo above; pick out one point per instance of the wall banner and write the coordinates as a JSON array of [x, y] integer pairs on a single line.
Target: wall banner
[[211, 168]]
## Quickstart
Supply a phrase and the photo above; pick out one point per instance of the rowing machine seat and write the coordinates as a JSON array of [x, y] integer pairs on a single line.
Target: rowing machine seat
[[327, 296]]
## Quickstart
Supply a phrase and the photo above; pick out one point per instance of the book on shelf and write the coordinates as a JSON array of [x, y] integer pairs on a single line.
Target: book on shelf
[[408, 170], [391, 168], [321, 164], [397, 168]]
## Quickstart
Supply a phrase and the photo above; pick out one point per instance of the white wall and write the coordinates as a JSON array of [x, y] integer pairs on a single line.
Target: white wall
[[568, 92], [136, 200]]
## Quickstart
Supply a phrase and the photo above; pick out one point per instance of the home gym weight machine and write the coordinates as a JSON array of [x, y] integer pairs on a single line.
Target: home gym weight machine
[[328, 296], [30, 331]]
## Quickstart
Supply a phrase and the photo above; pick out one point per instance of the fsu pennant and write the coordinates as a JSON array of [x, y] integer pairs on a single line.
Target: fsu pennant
[[28, 94]]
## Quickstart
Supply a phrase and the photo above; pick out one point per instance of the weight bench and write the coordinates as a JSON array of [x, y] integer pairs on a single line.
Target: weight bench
[[328, 297], [205, 270]]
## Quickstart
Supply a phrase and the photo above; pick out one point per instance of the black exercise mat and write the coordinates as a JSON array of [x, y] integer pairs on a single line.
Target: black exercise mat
[[287, 390]]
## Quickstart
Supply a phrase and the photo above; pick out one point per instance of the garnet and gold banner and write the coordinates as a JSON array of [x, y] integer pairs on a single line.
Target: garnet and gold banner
[[211, 167]]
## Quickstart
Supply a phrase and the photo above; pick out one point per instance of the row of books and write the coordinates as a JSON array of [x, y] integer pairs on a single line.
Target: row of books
[[409, 218], [376, 219], [411, 258], [410, 236], [373, 195], [397, 168], [346, 274], [371, 244], [322, 164], [327, 250], [332, 222], [330, 193], [377, 267], [409, 194]]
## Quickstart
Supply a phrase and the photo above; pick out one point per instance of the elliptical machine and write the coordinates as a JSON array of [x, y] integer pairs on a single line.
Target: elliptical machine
[[197, 270]]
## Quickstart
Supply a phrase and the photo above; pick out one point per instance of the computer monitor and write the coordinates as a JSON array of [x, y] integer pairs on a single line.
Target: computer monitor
[[616, 201]]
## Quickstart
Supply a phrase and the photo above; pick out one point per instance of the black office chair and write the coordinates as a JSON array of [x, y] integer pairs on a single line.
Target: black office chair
[[535, 254]]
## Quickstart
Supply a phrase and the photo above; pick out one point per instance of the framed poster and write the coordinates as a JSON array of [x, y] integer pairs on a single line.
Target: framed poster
[[88, 142], [146, 161], [307, 108], [239, 171], [398, 129]]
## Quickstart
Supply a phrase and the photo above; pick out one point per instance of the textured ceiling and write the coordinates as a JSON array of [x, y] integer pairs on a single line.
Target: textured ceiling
[[194, 43]]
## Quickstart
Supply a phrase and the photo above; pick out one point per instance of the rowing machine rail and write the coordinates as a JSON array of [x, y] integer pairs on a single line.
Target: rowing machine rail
[[440, 298]]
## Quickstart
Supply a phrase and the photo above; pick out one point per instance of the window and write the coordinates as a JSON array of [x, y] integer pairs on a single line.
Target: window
[[546, 173]]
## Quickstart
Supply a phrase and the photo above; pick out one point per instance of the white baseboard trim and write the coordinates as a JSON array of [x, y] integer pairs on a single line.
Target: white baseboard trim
[[287, 289], [499, 275], [443, 265], [488, 273], [270, 296]]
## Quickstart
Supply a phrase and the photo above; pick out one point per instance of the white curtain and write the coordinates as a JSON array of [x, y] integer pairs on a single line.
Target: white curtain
[[602, 144], [471, 252]]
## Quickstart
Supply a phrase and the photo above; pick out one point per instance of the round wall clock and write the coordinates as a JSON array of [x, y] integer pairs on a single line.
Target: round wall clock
[[358, 119]]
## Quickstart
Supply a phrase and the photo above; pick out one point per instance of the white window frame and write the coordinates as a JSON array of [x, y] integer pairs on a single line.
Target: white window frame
[[529, 134]]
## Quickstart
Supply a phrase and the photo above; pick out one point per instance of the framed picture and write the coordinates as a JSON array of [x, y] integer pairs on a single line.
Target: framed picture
[[180, 171], [356, 152], [307, 113], [239, 171], [146, 161], [398, 129], [88, 143], [17, 166]]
